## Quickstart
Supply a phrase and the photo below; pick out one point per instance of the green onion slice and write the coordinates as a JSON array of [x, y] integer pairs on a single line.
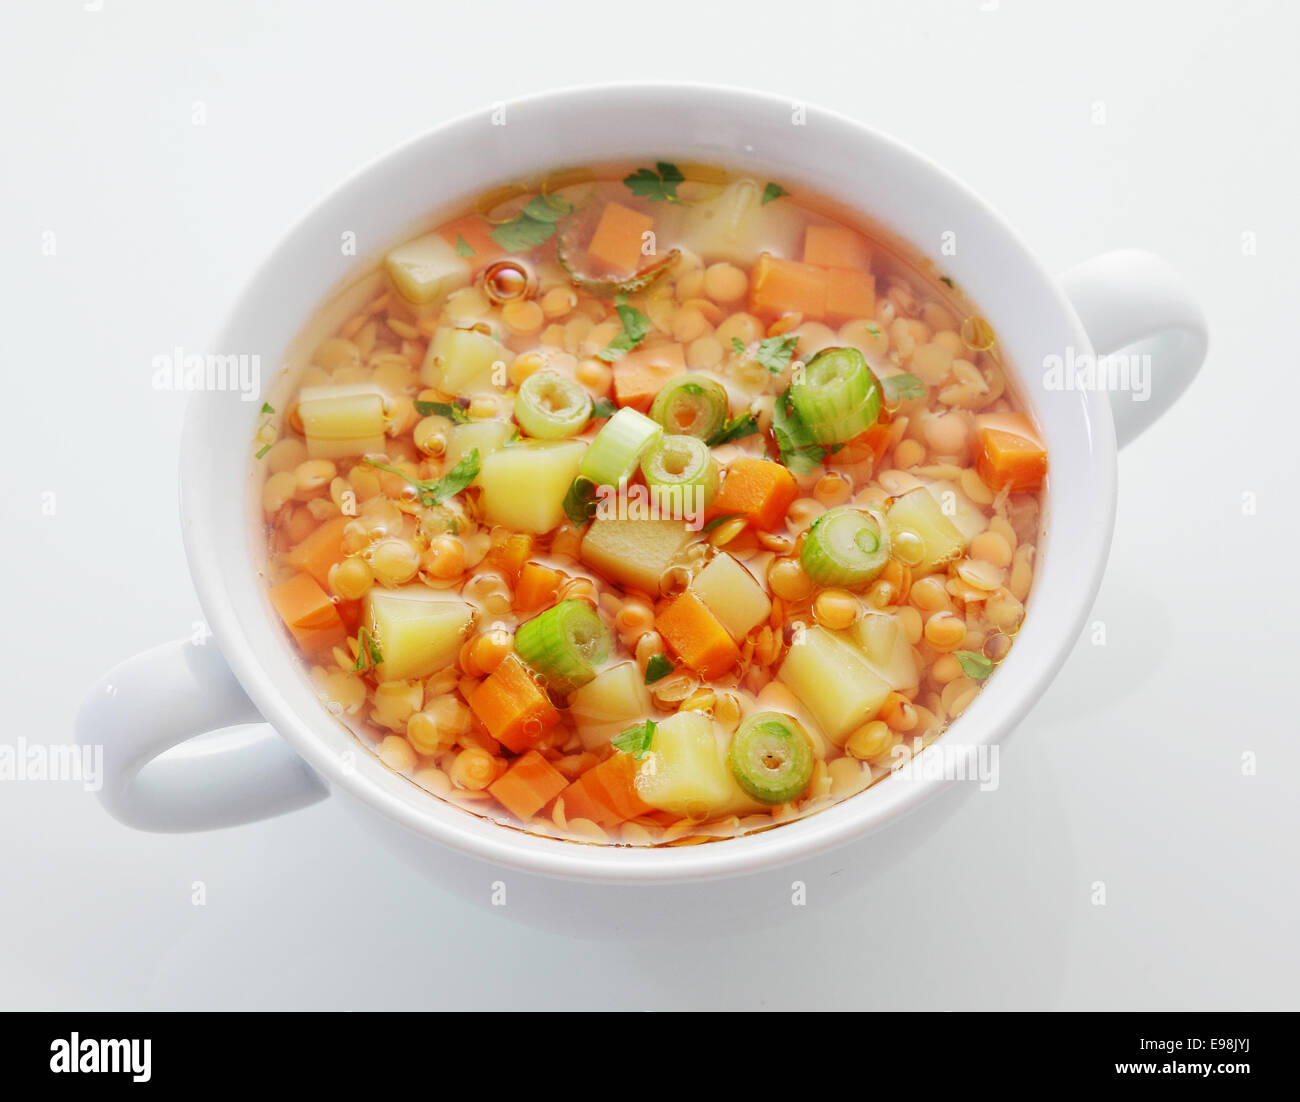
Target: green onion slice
[[691, 405], [681, 473], [771, 757], [564, 644], [551, 406], [844, 547], [613, 455], [836, 395]]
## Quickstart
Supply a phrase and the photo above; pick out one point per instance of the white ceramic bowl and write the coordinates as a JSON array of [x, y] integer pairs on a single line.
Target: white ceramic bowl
[[162, 698]]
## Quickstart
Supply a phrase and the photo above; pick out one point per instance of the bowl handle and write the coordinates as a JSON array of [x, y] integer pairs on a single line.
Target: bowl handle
[[160, 699], [1133, 300]]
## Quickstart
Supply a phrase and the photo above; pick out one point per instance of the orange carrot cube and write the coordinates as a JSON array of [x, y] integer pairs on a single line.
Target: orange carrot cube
[[639, 375], [696, 636], [308, 612], [538, 587], [512, 706], [528, 785], [758, 489], [787, 287], [606, 793], [850, 294], [1009, 453], [320, 550], [836, 247], [618, 237]]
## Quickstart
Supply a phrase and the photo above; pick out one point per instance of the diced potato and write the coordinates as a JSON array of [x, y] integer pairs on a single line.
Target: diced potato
[[833, 681], [918, 512], [967, 517], [524, 485], [486, 436], [426, 269], [610, 703], [736, 226], [417, 630], [686, 771], [461, 362], [733, 595], [340, 421], [633, 553], [886, 650]]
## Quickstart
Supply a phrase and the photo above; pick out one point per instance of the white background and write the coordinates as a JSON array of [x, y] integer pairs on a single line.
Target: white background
[[1129, 772]]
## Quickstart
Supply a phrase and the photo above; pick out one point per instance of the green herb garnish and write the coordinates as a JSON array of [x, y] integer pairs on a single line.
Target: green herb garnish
[[775, 353], [434, 491], [635, 740], [533, 225], [657, 186], [463, 247], [772, 191], [948, 280], [735, 429], [580, 501], [267, 407], [974, 665], [737, 346], [368, 655], [602, 407], [800, 451], [902, 388], [719, 520], [453, 411], [261, 451], [659, 666], [636, 326]]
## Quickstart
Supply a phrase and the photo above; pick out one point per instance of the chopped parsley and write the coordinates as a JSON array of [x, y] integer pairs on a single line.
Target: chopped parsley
[[635, 740], [902, 388], [974, 665], [659, 666], [533, 225], [636, 326], [659, 185], [434, 491], [735, 429], [775, 353], [453, 411], [463, 247], [368, 654], [800, 452], [772, 191]]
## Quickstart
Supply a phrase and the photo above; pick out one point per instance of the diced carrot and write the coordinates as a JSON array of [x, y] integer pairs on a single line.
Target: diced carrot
[[528, 785], [321, 550], [308, 613], [1009, 452], [758, 489], [538, 587], [696, 636], [476, 232], [639, 375], [606, 793], [836, 247], [1010, 462], [510, 554], [618, 237], [513, 707], [866, 447], [849, 294], [787, 287]]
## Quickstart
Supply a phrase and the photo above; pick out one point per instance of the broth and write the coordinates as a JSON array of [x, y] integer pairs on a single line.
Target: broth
[[651, 505]]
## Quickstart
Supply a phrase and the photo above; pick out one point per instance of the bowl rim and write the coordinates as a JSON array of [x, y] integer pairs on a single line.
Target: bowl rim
[[994, 713]]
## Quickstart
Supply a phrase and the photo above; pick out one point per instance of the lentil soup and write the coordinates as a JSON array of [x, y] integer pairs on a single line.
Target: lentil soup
[[651, 505]]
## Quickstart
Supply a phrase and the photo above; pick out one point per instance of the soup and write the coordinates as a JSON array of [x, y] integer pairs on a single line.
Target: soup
[[651, 505]]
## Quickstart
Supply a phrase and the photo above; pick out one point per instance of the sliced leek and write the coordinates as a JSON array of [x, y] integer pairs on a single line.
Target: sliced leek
[[551, 406], [844, 547], [681, 473], [691, 405], [616, 450], [565, 644], [836, 395], [771, 757]]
